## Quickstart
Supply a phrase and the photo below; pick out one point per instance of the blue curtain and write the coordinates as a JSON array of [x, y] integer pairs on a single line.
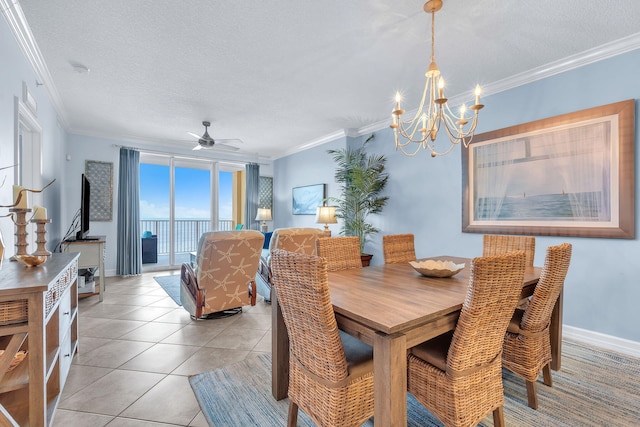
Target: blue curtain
[[129, 241], [253, 196]]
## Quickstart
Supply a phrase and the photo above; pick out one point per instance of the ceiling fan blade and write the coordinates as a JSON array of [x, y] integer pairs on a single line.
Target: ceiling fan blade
[[229, 141], [197, 147], [196, 136], [224, 147]]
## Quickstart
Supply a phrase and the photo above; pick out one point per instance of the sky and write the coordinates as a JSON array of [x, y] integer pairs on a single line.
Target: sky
[[192, 188]]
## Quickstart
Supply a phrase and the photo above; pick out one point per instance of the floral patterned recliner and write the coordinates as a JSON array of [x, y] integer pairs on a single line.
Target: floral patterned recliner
[[225, 272]]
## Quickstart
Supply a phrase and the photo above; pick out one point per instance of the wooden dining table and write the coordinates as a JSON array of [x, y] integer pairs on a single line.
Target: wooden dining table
[[393, 308]]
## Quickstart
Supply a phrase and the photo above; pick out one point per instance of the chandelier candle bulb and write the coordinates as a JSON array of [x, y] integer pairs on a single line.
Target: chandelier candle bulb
[[16, 193], [478, 91], [441, 88]]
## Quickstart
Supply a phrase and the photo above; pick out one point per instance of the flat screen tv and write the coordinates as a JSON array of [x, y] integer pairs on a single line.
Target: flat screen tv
[[85, 199]]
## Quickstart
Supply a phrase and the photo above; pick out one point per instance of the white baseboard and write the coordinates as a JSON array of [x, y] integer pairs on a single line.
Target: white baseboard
[[621, 345]]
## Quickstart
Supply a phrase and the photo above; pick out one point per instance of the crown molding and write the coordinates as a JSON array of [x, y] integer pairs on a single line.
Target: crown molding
[[169, 147], [342, 133], [20, 28], [605, 51]]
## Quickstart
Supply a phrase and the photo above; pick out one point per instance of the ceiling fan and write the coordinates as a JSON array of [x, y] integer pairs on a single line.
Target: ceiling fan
[[207, 142]]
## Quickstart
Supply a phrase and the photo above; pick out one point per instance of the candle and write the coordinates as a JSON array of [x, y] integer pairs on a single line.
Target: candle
[[441, 88], [23, 201], [398, 99], [478, 91], [39, 212]]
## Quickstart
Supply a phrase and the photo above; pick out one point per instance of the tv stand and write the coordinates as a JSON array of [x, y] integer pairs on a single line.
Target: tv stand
[[92, 250], [88, 238]]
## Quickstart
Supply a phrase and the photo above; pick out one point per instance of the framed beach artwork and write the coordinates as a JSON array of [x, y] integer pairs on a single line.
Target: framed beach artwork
[[306, 199], [569, 175]]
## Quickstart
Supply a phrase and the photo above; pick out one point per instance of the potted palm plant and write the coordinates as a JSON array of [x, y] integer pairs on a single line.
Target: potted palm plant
[[362, 180]]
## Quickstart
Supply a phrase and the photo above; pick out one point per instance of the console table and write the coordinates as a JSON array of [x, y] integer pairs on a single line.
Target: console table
[[92, 253], [38, 315]]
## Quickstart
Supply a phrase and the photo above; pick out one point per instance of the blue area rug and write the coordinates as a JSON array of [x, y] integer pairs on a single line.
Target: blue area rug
[[171, 285], [595, 387]]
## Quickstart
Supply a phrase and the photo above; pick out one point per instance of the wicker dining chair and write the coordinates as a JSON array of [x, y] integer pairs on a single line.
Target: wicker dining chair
[[457, 376], [341, 253], [527, 348], [398, 248], [330, 372], [496, 244]]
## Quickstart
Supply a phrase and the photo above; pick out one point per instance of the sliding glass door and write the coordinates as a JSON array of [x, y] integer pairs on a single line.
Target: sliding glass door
[[193, 211], [175, 208], [180, 199]]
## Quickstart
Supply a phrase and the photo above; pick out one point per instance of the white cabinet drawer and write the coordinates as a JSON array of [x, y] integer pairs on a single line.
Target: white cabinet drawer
[[66, 356], [64, 314]]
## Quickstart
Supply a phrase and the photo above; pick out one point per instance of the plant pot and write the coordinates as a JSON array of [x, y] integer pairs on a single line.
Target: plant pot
[[366, 259]]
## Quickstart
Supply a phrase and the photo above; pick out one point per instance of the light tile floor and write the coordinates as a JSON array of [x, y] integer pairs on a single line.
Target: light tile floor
[[137, 349]]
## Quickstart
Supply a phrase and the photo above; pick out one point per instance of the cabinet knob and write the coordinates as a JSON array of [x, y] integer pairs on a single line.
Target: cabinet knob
[[67, 355], [66, 313]]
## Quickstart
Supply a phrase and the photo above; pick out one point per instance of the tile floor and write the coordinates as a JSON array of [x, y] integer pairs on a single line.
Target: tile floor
[[137, 349]]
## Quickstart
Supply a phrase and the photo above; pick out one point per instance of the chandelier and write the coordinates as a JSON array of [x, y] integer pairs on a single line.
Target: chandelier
[[433, 112]]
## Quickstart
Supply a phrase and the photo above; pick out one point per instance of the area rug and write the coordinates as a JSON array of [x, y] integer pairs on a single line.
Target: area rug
[[593, 388], [171, 285]]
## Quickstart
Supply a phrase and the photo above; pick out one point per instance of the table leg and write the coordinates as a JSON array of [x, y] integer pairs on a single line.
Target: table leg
[[390, 380], [555, 331], [279, 350]]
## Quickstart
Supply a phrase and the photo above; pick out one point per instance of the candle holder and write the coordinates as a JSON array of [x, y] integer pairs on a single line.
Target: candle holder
[[40, 237], [21, 231]]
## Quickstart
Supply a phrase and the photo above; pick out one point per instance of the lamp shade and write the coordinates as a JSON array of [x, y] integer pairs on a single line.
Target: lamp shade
[[264, 214], [326, 215]]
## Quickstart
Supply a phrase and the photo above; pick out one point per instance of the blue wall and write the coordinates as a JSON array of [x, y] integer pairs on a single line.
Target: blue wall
[[14, 70], [312, 166], [601, 290]]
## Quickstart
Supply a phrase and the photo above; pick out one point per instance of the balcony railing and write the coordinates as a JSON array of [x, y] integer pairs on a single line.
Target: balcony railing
[[187, 232]]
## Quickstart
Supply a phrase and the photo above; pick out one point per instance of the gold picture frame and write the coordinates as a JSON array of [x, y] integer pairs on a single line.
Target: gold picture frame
[[568, 175]]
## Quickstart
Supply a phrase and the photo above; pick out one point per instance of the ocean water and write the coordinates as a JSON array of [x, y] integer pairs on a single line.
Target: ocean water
[[187, 235], [544, 207]]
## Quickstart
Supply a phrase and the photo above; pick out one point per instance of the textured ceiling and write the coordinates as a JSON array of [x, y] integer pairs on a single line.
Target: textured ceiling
[[278, 74]]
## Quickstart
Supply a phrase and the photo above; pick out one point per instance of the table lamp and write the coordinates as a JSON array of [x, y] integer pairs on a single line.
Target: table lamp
[[326, 215], [264, 215]]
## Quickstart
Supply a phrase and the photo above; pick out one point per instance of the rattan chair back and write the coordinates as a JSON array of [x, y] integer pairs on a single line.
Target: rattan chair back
[[341, 253], [556, 264], [319, 379], [398, 248], [527, 348], [496, 244], [493, 293], [468, 385]]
